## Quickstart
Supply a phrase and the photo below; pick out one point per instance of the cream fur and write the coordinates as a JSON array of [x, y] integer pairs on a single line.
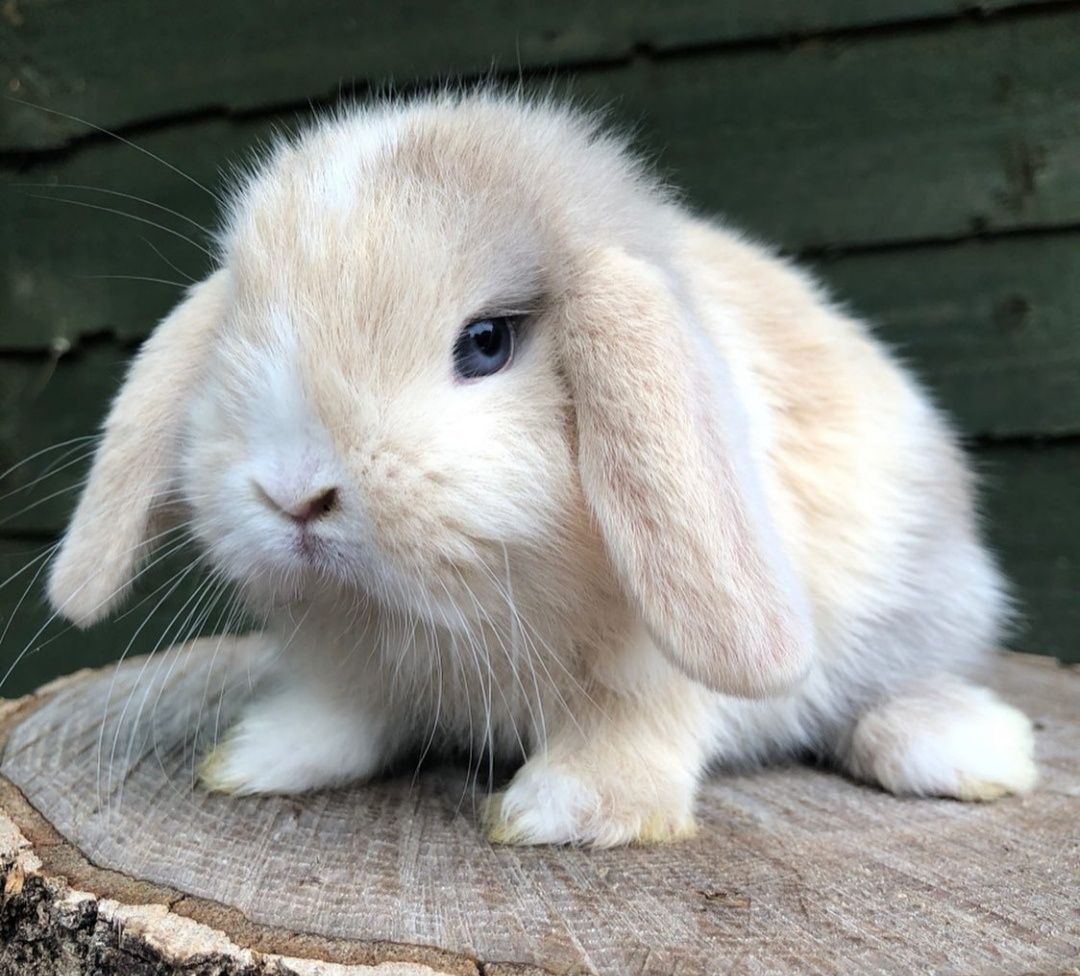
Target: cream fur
[[697, 480]]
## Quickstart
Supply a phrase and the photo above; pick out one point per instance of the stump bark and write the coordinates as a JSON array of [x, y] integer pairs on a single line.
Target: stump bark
[[114, 862]]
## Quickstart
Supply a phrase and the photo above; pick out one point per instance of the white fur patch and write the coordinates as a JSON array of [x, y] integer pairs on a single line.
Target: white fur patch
[[354, 150], [291, 453], [543, 805], [295, 741], [958, 741]]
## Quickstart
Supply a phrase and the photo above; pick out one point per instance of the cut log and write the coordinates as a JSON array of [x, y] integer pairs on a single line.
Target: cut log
[[114, 862]]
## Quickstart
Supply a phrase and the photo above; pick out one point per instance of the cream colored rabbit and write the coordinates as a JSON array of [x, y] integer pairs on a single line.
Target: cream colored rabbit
[[520, 456]]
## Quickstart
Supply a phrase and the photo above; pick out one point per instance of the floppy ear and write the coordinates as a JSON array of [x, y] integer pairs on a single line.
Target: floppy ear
[[121, 507], [665, 467]]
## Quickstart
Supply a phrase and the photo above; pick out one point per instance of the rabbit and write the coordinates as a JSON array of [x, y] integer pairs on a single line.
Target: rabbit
[[519, 456]]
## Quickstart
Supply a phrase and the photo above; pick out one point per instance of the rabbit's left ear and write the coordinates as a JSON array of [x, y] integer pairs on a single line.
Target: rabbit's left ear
[[666, 469], [121, 508]]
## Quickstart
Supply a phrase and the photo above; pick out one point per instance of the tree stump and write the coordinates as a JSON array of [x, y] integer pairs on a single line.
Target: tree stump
[[115, 862]]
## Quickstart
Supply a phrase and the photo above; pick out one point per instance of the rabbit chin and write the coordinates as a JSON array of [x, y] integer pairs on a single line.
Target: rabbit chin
[[302, 568], [284, 570]]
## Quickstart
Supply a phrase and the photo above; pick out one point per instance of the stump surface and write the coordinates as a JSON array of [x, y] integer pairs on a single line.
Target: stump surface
[[793, 870]]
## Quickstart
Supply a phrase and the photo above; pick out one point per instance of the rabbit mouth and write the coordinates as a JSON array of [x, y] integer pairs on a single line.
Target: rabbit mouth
[[282, 570], [311, 555], [308, 547]]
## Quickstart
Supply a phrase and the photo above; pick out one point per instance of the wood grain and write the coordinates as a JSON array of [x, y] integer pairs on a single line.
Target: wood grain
[[50, 52], [795, 870]]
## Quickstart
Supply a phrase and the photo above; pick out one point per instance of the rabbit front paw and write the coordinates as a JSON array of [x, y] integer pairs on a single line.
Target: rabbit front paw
[[292, 743], [555, 803]]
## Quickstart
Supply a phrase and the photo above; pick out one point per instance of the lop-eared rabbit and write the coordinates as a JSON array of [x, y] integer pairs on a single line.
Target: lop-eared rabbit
[[518, 456]]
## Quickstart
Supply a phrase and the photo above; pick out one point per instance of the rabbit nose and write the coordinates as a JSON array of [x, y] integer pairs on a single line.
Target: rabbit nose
[[308, 508]]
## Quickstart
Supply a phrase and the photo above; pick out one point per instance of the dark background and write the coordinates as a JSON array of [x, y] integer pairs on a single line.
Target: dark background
[[922, 155]]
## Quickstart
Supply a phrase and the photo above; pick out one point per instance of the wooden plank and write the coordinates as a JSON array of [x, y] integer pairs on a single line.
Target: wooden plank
[[1033, 518], [991, 326], [51, 408], [52, 53], [974, 127], [793, 870], [906, 136], [62, 256]]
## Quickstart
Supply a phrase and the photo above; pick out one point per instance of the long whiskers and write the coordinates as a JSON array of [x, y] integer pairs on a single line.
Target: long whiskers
[[52, 470], [45, 450], [119, 138], [164, 257], [118, 193], [122, 277], [130, 216], [173, 586], [206, 587]]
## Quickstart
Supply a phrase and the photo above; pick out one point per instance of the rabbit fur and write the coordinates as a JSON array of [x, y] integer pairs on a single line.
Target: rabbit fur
[[702, 518]]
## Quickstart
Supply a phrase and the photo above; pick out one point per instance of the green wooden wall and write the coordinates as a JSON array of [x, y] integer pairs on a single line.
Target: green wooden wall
[[923, 155]]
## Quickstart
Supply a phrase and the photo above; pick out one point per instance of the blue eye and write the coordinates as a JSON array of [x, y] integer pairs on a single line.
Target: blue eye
[[484, 347]]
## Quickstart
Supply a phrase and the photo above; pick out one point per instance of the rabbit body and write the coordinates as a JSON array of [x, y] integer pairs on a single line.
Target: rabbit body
[[701, 518]]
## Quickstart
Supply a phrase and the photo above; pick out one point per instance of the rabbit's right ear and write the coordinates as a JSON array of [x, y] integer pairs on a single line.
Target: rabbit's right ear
[[121, 507]]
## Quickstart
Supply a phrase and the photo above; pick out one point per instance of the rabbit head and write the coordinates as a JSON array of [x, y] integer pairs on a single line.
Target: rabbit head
[[445, 338]]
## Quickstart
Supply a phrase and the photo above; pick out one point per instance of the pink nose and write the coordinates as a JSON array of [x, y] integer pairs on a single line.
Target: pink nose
[[303, 510]]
